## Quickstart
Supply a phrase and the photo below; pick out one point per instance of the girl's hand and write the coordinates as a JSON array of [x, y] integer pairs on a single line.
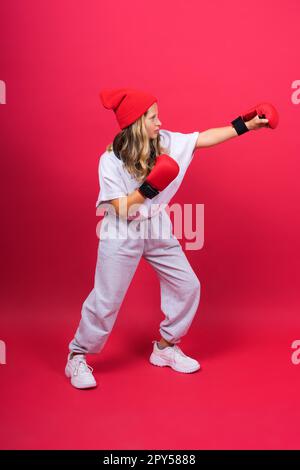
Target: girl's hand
[[257, 123]]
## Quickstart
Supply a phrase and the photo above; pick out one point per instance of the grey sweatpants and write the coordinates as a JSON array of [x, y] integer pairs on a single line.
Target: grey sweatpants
[[117, 261]]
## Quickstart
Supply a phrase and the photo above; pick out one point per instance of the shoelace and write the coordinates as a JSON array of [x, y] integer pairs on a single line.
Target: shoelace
[[179, 351], [85, 368], [176, 349]]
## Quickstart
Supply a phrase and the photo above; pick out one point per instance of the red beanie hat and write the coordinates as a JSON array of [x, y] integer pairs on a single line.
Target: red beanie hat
[[127, 103]]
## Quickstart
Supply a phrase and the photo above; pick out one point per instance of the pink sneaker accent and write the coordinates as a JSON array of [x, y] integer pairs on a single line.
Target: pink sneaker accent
[[173, 357]]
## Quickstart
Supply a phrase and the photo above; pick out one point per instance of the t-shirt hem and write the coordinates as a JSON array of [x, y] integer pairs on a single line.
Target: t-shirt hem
[[109, 197]]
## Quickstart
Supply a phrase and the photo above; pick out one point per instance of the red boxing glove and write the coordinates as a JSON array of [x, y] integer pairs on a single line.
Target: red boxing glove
[[263, 111], [162, 174]]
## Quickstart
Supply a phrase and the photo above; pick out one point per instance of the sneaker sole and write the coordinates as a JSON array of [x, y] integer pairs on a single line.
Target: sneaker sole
[[157, 361], [84, 387]]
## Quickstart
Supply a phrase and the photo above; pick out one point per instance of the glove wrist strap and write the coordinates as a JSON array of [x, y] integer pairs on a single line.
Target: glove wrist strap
[[147, 190], [239, 125]]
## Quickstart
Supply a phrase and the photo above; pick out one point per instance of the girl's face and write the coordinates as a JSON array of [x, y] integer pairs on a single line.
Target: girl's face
[[152, 122]]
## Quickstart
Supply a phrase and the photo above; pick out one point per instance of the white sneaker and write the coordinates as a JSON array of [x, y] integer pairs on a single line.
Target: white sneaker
[[79, 371], [173, 356]]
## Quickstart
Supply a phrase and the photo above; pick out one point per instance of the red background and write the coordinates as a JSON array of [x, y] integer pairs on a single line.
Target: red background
[[206, 62]]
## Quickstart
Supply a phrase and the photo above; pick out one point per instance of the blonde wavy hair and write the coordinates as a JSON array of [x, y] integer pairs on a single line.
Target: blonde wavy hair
[[137, 152]]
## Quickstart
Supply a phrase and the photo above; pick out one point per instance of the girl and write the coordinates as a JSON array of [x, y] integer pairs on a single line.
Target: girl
[[142, 170]]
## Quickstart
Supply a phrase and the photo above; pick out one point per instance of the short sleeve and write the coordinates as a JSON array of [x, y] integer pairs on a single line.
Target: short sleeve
[[110, 181], [181, 146]]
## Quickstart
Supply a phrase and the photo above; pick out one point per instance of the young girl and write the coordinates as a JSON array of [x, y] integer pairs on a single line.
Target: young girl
[[142, 169]]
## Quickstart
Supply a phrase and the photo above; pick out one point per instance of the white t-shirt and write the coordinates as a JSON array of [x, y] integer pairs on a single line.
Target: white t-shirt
[[115, 181]]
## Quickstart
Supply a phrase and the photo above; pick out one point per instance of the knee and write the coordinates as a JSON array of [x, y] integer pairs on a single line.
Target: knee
[[194, 285], [197, 285]]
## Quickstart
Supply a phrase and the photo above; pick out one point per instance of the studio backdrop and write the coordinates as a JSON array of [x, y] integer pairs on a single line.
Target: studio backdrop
[[207, 62]]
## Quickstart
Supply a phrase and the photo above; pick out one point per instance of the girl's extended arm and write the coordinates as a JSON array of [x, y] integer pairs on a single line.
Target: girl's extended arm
[[215, 136], [218, 135]]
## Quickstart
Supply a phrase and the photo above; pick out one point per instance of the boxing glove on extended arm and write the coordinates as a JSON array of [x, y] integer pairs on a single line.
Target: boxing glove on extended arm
[[162, 174], [263, 111]]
